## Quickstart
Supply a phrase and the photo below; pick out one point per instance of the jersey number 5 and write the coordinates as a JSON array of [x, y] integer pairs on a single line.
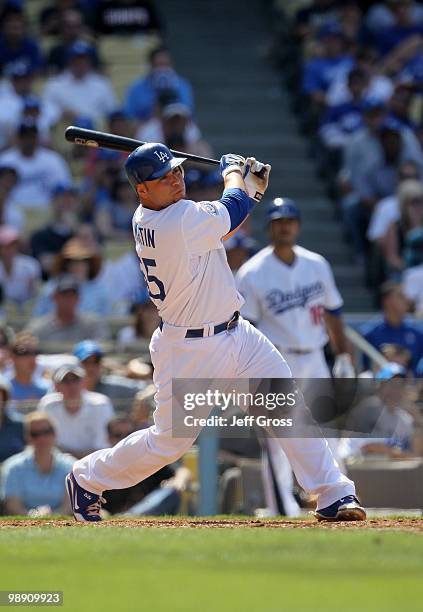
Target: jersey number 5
[[151, 279]]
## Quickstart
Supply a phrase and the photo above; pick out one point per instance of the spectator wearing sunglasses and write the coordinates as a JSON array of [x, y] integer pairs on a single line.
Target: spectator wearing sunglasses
[[25, 384], [80, 416], [33, 480]]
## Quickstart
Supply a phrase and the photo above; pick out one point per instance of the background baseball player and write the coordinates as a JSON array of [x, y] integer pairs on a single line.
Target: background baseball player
[[290, 295], [179, 243]]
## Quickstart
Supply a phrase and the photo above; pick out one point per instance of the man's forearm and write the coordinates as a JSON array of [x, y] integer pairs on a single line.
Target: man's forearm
[[335, 327]]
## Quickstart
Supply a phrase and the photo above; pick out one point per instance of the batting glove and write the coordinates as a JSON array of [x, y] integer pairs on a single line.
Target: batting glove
[[343, 367], [231, 163], [256, 178]]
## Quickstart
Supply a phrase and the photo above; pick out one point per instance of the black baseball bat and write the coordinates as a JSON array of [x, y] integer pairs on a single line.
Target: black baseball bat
[[94, 138]]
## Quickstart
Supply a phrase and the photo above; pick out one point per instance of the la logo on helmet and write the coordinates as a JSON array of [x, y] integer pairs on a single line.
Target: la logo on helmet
[[162, 155]]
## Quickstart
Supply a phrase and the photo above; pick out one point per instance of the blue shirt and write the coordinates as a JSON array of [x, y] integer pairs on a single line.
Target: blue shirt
[[35, 390], [406, 334], [319, 73], [28, 51], [142, 95], [11, 435], [22, 478]]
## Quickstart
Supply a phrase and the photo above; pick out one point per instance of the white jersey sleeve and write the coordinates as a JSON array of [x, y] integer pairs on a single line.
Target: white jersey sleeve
[[203, 225], [251, 309]]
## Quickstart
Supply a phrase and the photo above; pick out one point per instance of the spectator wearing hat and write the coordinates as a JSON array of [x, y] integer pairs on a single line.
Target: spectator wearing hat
[[71, 29], [19, 274], [84, 262], [410, 197], [412, 279], [17, 84], [38, 168], [33, 480], [384, 416], [119, 389], [320, 72], [80, 416], [340, 121], [9, 215], [143, 94], [25, 385], [65, 323], [80, 91], [394, 328], [145, 321], [15, 44], [11, 425], [48, 241]]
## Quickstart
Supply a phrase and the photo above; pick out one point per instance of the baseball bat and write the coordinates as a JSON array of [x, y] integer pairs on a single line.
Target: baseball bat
[[94, 138]]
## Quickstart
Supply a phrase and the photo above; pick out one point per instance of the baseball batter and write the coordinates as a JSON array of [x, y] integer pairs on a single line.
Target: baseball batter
[[291, 297], [179, 243]]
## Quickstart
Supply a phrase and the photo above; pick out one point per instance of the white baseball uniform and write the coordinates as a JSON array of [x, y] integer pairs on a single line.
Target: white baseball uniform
[[189, 280], [287, 304]]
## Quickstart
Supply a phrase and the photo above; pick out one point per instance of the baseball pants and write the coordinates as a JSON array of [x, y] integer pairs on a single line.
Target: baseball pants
[[240, 353]]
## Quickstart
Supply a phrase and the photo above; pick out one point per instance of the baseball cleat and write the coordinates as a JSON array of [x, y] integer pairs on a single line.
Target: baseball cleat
[[345, 509], [86, 506]]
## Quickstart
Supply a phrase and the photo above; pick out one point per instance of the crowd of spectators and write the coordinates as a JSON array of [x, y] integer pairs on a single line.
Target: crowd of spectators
[[355, 75]]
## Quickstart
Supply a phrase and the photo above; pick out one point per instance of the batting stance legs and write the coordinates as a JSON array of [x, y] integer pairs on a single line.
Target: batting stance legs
[[240, 353]]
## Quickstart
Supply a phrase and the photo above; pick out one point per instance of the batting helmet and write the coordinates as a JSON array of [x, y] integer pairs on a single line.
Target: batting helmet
[[283, 208], [149, 162]]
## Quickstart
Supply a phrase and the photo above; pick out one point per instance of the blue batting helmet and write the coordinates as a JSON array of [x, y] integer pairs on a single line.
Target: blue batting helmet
[[149, 162], [283, 208]]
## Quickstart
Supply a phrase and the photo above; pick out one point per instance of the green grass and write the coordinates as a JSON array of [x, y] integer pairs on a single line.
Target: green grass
[[114, 568]]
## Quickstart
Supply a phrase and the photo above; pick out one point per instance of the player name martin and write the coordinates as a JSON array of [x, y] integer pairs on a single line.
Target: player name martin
[[236, 421], [145, 236]]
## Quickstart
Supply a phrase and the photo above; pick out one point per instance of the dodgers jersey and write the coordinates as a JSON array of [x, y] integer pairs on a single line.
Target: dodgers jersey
[[287, 302], [184, 262]]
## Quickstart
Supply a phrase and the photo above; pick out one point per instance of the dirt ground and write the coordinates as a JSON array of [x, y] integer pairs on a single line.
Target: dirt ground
[[405, 524]]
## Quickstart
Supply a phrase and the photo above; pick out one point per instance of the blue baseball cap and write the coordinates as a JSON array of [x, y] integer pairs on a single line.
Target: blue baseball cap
[[372, 103], [389, 370], [283, 208], [61, 188], [30, 102], [330, 29], [80, 48], [150, 162], [87, 348], [18, 68], [390, 124]]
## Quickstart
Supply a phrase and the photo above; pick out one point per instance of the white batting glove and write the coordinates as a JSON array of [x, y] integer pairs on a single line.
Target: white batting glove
[[256, 178], [231, 163], [343, 367]]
